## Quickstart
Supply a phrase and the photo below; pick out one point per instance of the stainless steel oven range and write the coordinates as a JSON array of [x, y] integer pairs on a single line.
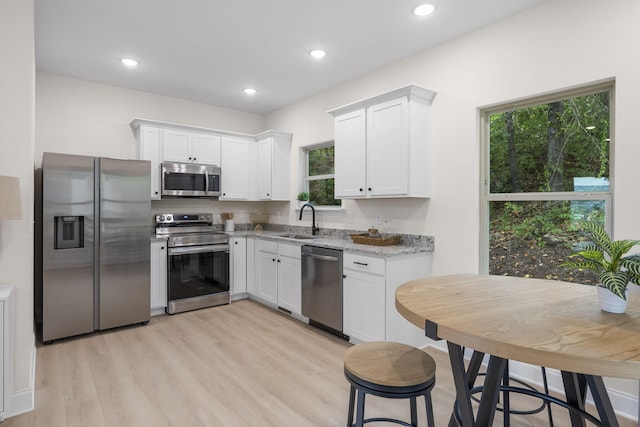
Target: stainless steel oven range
[[198, 261]]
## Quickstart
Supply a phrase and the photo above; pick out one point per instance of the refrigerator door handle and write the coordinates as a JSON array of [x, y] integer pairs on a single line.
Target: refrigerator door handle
[[198, 249]]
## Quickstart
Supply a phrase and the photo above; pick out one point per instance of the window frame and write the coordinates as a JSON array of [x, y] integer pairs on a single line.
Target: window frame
[[304, 175], [486, 197]]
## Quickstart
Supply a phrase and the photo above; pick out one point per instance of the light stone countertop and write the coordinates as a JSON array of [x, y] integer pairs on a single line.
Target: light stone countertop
[[408, 245]]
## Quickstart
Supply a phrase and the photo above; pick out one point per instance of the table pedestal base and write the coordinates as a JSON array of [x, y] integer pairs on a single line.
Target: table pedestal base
[[575, 390]]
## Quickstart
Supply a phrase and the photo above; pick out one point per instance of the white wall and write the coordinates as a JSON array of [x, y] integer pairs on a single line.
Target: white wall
[[79, 117], [556, 45], [17, 144]]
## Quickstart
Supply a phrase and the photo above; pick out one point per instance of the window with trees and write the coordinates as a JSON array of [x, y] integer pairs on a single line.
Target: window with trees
[[546, 170], [319, 177]]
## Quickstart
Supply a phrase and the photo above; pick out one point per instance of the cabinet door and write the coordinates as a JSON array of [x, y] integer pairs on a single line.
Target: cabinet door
[[290, 281], [238, 265], [150, 148], [251, 266], [234, 181], [158, 276], [265, 164], [205, 149], [350, 154], [177, 146], [267, 276], [364, 306], [387, 148]]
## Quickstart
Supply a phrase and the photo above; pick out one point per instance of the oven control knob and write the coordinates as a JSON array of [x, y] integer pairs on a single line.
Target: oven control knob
[[160, 218], [169, 217], [208, 217]]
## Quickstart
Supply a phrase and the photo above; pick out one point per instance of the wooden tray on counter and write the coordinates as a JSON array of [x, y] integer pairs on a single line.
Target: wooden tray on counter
[[364, 239]]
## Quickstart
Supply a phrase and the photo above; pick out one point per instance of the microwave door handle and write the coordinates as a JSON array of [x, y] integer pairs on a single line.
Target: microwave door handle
[[206, 182]]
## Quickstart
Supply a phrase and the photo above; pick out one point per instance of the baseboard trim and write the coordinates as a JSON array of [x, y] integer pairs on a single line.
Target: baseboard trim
[[624, 404], [23, 401]]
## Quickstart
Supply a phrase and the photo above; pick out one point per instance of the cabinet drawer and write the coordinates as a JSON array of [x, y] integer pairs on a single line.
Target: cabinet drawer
[[267, 246], [292, 251], [364, 263]]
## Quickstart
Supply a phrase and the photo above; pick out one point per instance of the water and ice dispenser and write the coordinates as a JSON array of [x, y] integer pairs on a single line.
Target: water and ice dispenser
[[69, 232]]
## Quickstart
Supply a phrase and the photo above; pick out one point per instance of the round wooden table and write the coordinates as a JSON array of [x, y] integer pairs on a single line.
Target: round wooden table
[[542, 322]]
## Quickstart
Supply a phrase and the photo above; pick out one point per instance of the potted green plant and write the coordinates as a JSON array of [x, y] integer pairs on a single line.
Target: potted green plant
[[615, 271], [303, 197]]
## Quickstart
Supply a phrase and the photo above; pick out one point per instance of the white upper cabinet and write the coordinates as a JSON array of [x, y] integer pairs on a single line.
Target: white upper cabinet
[[274, 166], [350, 155], [150, 148], [382, 145], [191, 147], [236, 173]]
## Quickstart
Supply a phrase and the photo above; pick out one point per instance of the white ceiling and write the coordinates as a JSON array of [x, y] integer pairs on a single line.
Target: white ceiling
[[209, 50]]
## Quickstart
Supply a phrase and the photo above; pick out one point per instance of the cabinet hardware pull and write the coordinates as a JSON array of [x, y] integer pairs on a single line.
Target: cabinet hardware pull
[[273, 259], [361, 189], [162, 248], [360, 263], [344, 276], [369, 189]]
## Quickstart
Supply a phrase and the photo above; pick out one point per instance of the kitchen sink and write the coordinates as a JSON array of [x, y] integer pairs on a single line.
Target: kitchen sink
[[297, 236]]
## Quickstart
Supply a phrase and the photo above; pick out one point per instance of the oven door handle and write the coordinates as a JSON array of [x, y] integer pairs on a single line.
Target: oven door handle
[[198, 249]]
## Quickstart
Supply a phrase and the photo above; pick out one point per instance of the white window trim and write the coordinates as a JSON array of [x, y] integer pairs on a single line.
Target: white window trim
[[486, 197]]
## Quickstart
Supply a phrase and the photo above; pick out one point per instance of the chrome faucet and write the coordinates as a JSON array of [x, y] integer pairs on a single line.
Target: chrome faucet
[[314, 228]]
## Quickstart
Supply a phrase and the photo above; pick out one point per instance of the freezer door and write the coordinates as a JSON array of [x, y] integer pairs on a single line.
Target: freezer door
[[124, 248], [67, 245]]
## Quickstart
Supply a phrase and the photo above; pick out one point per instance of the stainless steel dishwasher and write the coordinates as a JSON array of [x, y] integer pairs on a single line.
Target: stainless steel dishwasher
[[322, 287]]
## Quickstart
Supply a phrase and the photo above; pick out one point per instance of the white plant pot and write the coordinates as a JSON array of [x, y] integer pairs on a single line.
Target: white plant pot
[[610, 302]]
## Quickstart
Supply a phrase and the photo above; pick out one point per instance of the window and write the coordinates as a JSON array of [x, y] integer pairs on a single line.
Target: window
[[546, 169], [319, 176]]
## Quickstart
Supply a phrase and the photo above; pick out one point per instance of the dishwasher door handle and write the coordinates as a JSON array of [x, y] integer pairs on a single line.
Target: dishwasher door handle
[[322, 257]]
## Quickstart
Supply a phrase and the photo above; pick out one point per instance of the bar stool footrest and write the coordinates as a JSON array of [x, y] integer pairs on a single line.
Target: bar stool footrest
[[385, 420]]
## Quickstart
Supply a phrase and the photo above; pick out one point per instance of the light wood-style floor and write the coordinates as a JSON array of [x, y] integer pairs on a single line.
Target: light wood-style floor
[[236, 365]]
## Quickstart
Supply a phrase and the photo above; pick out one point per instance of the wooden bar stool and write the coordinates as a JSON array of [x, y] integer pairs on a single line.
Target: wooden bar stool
[[392, 370]]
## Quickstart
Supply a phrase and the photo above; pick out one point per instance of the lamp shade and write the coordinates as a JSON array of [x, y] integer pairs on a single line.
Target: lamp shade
[[10, 200]]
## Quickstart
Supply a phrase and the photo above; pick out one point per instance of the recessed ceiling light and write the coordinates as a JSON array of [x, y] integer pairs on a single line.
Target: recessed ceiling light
[[250, 91], [317, 53], [129, 62], [424, 10]]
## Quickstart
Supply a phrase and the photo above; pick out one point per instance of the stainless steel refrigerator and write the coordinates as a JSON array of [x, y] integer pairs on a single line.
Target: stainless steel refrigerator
[[96, 226]]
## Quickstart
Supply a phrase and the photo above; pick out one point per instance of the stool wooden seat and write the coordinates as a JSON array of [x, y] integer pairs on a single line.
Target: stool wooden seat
[[392, 370]]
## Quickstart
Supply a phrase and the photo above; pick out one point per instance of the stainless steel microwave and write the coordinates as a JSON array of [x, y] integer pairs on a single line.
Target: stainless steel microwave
[[190, 180]]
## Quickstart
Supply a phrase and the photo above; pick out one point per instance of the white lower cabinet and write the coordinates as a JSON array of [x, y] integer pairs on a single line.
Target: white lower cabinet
[[158, 276], [290, 278], [277, 275], [369, 287], [364, 298], [267, 271], [238, 267]]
